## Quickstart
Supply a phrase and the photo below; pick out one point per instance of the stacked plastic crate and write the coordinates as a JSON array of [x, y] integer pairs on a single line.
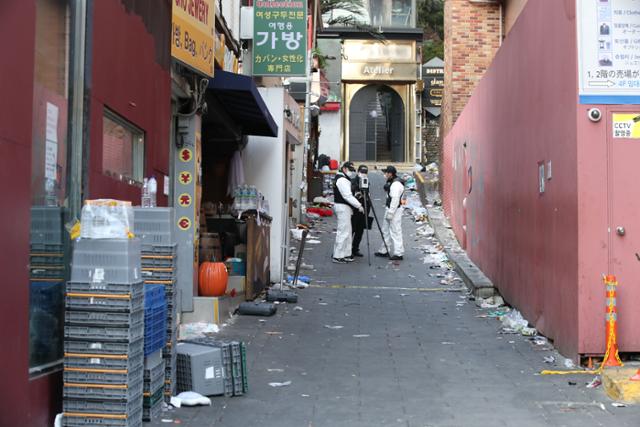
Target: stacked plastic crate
[[155, 228], [155, 336], [104, 331]]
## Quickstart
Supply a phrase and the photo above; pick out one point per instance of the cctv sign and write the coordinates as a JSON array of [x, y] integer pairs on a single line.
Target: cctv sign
[[608, 51], [626, 125]]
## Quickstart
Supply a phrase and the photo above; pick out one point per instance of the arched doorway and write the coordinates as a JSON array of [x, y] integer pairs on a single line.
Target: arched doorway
[[376, 125]]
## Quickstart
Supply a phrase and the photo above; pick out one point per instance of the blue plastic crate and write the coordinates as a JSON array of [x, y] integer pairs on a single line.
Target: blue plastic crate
[[154, 296], [155, 341]]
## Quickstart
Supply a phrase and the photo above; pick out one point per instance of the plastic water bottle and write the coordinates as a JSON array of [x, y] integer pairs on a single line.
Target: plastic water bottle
[[153, 191], [145, 201]]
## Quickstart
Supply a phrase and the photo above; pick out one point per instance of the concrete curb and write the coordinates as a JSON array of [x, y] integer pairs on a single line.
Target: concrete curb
[[473, 277]]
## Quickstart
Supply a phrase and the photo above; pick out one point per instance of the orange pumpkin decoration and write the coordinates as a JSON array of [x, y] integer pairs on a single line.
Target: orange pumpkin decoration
[[212, 280]]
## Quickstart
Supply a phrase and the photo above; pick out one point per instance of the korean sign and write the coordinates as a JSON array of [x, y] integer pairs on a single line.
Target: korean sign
[[192, 36], [280, 38], [626, 125], [609, 51]]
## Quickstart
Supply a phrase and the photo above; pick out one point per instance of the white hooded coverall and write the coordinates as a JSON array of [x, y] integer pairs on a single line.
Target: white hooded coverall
[[344, 238], [392, 224]]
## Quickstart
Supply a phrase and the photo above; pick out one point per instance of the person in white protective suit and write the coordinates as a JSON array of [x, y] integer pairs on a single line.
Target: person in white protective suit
[[344, 203], [392, 224]]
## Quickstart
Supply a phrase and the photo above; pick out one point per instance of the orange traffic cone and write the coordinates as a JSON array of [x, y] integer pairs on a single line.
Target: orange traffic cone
[[636, 377]]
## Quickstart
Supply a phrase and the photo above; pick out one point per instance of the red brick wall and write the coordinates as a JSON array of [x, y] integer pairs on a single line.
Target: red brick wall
[[471, 39]]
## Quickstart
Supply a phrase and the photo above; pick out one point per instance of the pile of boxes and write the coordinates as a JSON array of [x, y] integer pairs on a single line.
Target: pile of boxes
[[104, 334], [155, 228]]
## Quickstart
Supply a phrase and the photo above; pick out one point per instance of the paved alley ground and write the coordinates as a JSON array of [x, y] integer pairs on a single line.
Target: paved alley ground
[[391, 345]]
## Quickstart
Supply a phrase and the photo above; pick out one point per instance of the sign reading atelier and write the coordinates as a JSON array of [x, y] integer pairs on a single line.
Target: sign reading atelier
[[192, 34], [280, 38]]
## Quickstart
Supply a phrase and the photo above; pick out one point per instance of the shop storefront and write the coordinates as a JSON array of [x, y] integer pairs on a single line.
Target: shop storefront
[[379, 93]]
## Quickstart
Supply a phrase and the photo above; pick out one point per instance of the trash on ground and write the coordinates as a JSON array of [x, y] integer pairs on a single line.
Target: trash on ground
[[447, 343], [549, 359], [498, 313], [196, 330], [376, 296], [298, 308], [361, 336], [333, 327], [323, 303], [257, 309], [314, 242], [190, 398], [513, 322], [568, 363], [273, 333], [284, 384], [275, 370], [618, 405], [595, 382], [491, 302], [572, 383]]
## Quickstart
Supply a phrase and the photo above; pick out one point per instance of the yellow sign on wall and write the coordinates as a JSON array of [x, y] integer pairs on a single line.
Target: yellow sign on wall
[[192, 34], [626, 125]]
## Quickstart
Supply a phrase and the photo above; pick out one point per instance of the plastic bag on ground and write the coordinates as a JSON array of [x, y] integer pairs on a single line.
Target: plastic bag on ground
[[191, 398], [194, 330]]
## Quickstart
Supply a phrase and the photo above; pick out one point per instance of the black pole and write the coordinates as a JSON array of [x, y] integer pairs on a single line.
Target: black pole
[[366, 222], [375, 217]]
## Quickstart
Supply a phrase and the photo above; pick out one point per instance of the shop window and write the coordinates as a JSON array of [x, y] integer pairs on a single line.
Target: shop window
[[122, 148], [392, 13]]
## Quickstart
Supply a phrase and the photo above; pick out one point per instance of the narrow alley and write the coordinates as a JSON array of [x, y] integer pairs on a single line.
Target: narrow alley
[[395, 344]]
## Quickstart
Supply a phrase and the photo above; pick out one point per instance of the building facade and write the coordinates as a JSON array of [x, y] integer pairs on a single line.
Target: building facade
[[537, 174]]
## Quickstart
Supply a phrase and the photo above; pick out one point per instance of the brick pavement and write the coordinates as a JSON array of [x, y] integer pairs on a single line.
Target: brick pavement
[[411, 352]]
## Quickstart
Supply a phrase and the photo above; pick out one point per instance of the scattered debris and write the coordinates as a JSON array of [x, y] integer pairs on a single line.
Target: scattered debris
[[298, 308], [595, 382], [361, 336], [549, 359], [568, 363], [190, 398], [275, 370], [618, 405], [195, 330], [333, 327], [284, 384]]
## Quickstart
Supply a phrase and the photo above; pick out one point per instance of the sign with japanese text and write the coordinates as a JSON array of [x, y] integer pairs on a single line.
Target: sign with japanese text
[[280, 38], [626, 125], [192, 34], [609, 51]]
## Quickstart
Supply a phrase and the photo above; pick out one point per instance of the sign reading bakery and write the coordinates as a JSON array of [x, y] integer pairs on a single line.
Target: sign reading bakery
[[192, 34]]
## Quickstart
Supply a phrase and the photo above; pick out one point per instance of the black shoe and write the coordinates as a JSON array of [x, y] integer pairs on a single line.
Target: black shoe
[[357, 253], [380, 254], [339, 260], [349, 258], [396, 258]]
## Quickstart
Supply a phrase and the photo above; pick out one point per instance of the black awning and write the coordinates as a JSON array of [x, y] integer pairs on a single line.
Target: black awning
[[242, 101]]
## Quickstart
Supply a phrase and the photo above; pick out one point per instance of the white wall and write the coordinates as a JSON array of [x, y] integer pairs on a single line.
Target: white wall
[[264, 166], [329, 141]]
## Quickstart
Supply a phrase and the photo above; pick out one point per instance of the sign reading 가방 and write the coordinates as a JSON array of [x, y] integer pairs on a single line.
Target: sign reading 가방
[[280, 38], [192, 36], [609, 51]]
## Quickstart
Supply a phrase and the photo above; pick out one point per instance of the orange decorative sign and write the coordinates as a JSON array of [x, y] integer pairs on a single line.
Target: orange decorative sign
[[192, 34]]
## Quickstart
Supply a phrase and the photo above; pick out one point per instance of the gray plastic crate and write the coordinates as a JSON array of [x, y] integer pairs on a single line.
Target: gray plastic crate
[[132, 419], [159, 273], [102, 406], [106, 288], [46, 225], [103, 361], [104, 333], [104, 318], [128, 391], [47, 247], [154, 359], [46, 259], [154, 226], [169, 249], [169, 261], [106, 260], [47, 271], [103, 347], [82, 301], [225, 348], [200, 369], [150, 414], [97, 376]]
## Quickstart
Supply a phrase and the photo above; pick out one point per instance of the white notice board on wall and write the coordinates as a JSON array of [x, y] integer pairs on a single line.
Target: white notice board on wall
[[608, 51]]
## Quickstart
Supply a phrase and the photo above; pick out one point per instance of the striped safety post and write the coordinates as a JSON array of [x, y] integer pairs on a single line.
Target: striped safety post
[[611, 358]]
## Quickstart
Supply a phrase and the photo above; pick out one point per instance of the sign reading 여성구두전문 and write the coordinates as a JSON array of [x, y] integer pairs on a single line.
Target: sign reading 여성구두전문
[[280, 38], [192, 34], [609, 51]]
